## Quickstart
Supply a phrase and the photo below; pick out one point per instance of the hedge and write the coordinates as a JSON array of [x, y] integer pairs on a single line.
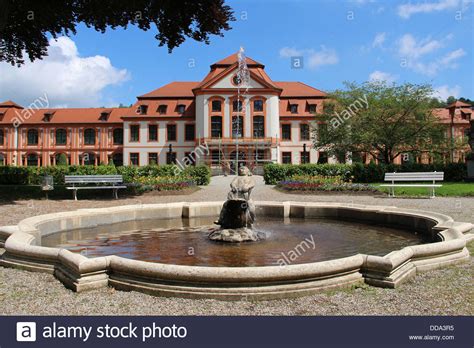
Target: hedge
[[32, 175], [358, 172]]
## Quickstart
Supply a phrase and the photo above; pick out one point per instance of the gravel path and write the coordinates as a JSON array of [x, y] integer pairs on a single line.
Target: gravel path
[[442, 292]]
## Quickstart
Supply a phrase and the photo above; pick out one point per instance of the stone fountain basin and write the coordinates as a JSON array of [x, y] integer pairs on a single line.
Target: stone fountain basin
[[23, 250]]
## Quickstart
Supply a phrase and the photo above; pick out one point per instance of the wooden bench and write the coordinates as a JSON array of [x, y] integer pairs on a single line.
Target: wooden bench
[[101, 182], [420, 176]]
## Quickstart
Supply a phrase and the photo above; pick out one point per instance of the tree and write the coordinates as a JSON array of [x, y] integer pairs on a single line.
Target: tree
[[379, 119], [450, 100], [25, 24]]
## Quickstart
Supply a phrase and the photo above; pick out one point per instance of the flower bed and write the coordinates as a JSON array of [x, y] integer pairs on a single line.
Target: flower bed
[[163, 183], [322, 183]]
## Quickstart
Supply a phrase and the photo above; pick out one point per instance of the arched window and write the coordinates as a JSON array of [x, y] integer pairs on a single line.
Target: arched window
[[88, 158], [61, 137], [118, 136], [2, 137], [216, 127], [32, 137], [237, 126], [89, 136], [258, 126], [32, 160]]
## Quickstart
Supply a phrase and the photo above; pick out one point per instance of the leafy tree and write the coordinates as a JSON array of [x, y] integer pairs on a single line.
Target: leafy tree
[[62, 160], [450, 100], [382, 120], [25, 24], [467, 101]]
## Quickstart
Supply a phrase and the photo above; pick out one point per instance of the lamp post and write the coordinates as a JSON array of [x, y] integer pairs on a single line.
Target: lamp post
[[170, 151], [304, 154]]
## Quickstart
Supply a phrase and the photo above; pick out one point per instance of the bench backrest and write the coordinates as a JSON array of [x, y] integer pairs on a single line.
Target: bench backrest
[[93, 179], [415, 176]]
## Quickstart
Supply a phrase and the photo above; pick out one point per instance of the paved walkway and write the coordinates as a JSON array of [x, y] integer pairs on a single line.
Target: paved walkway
[[461, 209]]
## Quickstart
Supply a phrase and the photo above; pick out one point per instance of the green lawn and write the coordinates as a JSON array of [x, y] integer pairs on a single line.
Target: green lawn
[[449, 189]]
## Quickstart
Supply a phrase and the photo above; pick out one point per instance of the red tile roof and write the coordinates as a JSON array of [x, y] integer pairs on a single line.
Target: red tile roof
[[233, 58], [298, 89], [10, 104], [173, 89], [171, 107], [444, 116], [64, 116], [459, 104]]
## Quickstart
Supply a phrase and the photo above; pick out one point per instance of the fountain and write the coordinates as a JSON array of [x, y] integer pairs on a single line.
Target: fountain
[[238, 212]]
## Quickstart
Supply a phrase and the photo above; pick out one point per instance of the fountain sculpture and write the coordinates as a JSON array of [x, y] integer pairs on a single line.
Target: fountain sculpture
[[238, 212]]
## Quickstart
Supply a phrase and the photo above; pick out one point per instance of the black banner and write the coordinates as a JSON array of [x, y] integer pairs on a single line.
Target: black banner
[[94, 331]]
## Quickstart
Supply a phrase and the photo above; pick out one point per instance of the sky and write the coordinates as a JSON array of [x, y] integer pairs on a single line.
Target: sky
[[413, 41]]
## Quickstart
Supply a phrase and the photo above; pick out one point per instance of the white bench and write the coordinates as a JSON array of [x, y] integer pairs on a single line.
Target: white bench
[[420, 176], [111, 182]]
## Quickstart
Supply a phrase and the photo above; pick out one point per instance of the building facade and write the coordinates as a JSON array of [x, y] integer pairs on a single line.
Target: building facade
[[214, 121]]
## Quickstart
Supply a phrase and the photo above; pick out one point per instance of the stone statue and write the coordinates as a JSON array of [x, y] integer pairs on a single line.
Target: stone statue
[[238, 212]]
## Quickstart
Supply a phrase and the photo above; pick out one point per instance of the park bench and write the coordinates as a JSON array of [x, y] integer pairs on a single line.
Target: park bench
[[414, 176], [99, 181]]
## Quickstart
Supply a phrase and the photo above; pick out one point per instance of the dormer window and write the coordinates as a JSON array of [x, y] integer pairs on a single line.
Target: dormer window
[[312, 108], [162, 109], [48, 115], [104, 115], [142, 109], [294, 108], [181, 108]]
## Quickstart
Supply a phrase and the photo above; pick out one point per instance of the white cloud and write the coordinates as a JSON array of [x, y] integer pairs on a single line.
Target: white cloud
[[412, 52], [444, 91], [314, 59], [379, 40], [67, 79], [381, 76], [410, 48], [407, 10]]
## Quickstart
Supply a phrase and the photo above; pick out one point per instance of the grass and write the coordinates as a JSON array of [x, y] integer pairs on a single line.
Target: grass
[[449, 189]]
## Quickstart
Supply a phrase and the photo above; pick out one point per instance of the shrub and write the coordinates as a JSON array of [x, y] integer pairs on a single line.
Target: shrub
[[274, 173], [163, 183], [62, 160], [322, 183]]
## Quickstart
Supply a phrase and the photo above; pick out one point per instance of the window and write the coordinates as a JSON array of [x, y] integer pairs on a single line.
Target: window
[[2, 137], [118, 159], [258, 126], [189, 133], [312, 108], [152, 132], [322, 158], [294, 108], [259, 155], [181, 108], [190, 158], [237, 126], [286, 131], [171, 158], [236, 80], [61, 137], [304, 157], [142, 109], [153, 158], [216, 106], [89, 136], [216, 127], [304, 131], [286, 157], [32, 160], [2, 160], [32, 137], [162, 109], [89, 159], [134, 159], [171, 132], [118, 137], [104, 116], [237, 105], [134, 133], [258, 105]]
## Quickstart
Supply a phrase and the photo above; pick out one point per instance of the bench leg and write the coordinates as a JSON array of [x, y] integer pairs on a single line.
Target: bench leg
[[433, 192], [75, 194], [116, 193]]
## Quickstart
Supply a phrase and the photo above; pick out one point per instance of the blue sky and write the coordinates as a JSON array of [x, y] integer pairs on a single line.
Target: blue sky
[[430, 41]]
